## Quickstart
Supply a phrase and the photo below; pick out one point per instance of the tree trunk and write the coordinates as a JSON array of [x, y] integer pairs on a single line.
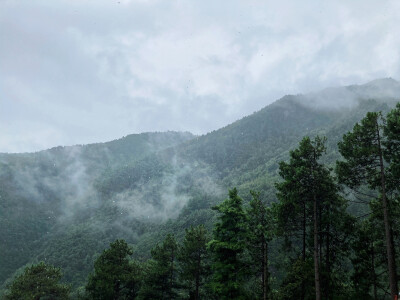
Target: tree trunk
[[373, 271], [316, 258], [265, 271], [328, 260], [303, 284], [171, 276], [388, 230], [196, 296]]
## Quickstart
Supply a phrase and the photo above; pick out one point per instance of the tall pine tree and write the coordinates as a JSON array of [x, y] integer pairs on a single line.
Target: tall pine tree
[[363, 150], [160, 280], [298, 194], [114, 277], [311, 213], [227, 248], [259, 234], [193, 261]]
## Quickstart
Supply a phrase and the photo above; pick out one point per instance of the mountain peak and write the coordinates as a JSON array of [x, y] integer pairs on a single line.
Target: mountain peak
[[382, 88], [383, 82]]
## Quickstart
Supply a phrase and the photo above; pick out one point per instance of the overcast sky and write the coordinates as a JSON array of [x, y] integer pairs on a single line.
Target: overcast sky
[[77, 72]]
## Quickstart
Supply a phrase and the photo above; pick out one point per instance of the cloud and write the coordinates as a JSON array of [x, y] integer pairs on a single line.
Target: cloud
[[86, 71]]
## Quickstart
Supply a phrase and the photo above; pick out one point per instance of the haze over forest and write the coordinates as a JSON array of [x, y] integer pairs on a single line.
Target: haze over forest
[[197, 150], [76, 200]]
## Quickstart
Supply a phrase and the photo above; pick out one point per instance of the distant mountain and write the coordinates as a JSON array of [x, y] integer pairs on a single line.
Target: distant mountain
[[64, 205], [45, 190]]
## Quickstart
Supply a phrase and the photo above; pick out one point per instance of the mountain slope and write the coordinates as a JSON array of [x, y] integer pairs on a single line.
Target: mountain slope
[[75, 200], [48, 189]]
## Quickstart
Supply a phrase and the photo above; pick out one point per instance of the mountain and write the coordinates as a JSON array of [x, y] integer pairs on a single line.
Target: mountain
[[42, 191], [65, 205]]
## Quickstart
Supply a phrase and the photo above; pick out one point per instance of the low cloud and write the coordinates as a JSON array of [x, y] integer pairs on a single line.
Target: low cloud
[[337, 98], [76, 72]]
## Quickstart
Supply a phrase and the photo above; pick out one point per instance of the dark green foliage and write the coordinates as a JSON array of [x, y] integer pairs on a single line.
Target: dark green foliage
[[62, 210], [259, 234], [114, 277], [39, 281], [368, 261], [227, 248], [56, 193], [193, 262], [298, 273], [361, 149], [364, 152], [311, 215], [160, 278], [392, 147], [301, 195]]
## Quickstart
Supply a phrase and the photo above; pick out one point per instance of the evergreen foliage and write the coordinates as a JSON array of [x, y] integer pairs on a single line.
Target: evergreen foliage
[[194, 262], [259, 234], [368, 261], [114, 277], [125, 186], [160, 278], [311, 213], [39, 281], [227, 248], [364, 152]]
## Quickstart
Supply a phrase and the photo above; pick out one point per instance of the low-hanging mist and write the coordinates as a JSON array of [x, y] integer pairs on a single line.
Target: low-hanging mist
[[64, 205]]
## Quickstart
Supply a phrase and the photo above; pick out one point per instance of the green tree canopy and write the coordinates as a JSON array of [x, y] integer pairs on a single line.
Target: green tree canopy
[[193, 261], [114, 277], [160, 280], [227, 248], [311, 214], [259, 234], [364, 150], [39, 281]]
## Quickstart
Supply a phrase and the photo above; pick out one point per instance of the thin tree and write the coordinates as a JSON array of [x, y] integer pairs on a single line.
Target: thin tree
[[258, 237], [193, 260], [300, 192], [160, 280], [363, 150]]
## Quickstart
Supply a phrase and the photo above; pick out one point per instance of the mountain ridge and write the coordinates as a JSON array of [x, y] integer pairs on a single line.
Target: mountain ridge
[[74, 200]]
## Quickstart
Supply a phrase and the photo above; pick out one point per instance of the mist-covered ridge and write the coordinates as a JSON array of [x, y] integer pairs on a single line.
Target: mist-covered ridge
[[64, 205]]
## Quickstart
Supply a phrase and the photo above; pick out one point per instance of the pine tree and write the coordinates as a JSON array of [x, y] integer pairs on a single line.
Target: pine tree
[[363, 150], [259, 234], [227, 248], [39, 281], [160, 280], [299, 194], [193, 261], [368, 260], [311, 213], [114, 277]]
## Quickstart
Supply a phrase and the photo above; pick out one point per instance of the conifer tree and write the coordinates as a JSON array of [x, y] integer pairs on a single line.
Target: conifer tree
[[114, 277], [39, 281], [160, 281], [311, 213], [367, 261], [227, 248], [193, 261], [299, 195], [364, 152], [259, 234]]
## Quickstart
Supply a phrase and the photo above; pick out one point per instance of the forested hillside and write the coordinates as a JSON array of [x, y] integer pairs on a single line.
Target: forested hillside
[[65, 205]]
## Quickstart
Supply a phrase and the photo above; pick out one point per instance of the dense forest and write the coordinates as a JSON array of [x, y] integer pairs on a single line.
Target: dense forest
[[312, 210]]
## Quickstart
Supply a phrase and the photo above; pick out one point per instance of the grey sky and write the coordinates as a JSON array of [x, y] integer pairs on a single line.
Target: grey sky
[[74, 72]]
